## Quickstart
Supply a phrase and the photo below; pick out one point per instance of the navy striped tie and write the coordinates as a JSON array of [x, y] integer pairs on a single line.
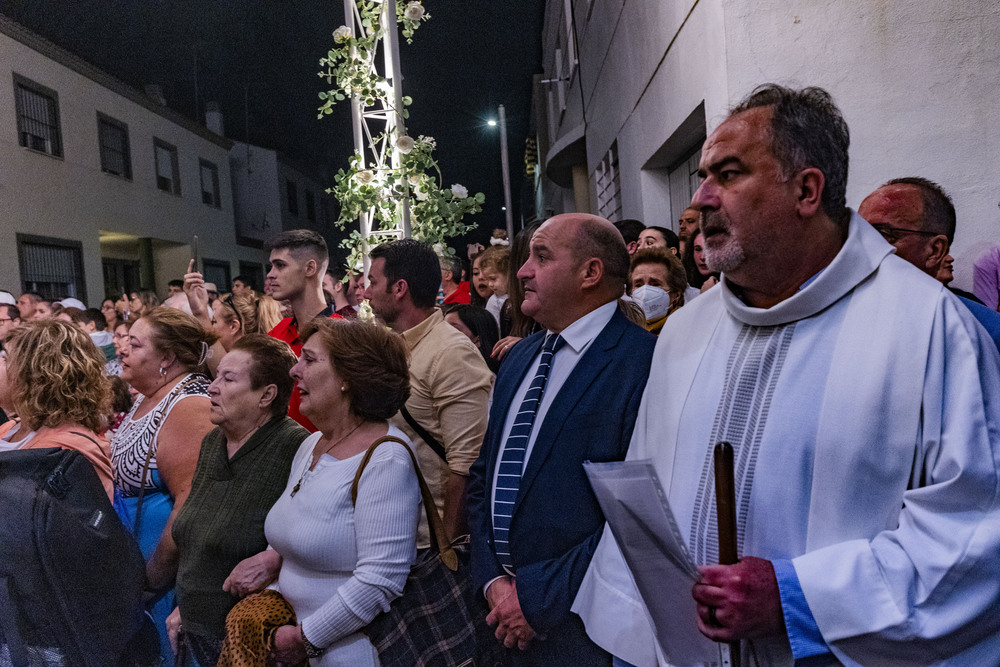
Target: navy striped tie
[[512, 459]]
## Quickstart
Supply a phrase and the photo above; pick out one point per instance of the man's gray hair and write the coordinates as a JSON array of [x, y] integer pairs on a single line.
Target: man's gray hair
[[453, 264], [606, 244], [939, 211], [807, 130]]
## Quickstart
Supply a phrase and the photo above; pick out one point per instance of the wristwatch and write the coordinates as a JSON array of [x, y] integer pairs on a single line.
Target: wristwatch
[[312, 651]]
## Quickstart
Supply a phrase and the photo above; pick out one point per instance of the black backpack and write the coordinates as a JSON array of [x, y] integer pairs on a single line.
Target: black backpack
[[71, 575]]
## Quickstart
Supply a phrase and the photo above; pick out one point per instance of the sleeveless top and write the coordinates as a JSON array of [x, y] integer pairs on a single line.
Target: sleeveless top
[[135, 437]]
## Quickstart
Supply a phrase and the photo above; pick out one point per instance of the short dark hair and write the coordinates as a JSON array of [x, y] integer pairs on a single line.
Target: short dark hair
[[246, 280], [807, 130], [594, 239], [270, 362], [298, 240], [630, 230], [668, 235], [939, 211], [482, 324], [371, 361], [176, 283], [13, 312], [88, 316], [416, 263]]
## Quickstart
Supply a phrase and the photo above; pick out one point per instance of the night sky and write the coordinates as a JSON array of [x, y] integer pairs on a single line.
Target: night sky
[[259, 59]]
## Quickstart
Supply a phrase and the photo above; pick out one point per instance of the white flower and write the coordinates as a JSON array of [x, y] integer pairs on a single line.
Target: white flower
[[414, 10], [404, 144], [365, 176], [439, 249], [427, 141], [420, 194], [341, 34], [459, 191]]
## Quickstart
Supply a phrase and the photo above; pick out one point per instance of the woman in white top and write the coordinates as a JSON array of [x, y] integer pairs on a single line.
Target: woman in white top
[[340, 565]]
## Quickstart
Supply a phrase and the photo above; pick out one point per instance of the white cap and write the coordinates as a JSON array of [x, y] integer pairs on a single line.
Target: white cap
[[7, 297], [70, 302]]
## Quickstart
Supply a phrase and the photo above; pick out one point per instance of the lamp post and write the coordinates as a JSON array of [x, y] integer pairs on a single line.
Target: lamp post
[[505, 167]]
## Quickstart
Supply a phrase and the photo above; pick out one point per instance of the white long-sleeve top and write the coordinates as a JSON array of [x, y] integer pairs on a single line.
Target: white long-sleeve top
[[343, 565]]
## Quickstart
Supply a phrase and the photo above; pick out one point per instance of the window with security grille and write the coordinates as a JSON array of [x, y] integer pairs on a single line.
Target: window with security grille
[[210, 184], [51, 267], [112, 135], [37, 116], [608, 184], [168, 176]]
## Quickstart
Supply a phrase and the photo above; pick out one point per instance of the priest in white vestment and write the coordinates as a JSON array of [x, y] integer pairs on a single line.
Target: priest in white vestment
[[863, 403]]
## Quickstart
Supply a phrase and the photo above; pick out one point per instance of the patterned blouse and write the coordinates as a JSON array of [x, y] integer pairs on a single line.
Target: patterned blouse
[[134, 437]]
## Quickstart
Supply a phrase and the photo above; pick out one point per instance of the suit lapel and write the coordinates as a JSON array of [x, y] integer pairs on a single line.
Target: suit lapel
[[595, 359]]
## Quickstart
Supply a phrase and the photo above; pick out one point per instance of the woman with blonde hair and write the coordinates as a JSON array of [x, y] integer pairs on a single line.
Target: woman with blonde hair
[[232, 317], [52, 378], [142, 303], [155, 450]]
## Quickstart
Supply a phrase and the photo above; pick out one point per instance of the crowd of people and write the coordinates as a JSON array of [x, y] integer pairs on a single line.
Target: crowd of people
[[860, 394]]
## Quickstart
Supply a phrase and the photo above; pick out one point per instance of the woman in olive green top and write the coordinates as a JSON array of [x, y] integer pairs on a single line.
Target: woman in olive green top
[[242, 469]]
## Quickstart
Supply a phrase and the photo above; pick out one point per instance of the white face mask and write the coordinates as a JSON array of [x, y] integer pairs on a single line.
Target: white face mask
[[655, 301]]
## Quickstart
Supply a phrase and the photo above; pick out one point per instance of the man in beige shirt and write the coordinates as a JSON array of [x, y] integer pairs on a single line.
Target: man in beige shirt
[[449, 380]]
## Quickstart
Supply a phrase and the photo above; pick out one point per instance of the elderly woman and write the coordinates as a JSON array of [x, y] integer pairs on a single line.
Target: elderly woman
[[657, 282], [242, 469], [155, 450], [52, 377], [338, 564]]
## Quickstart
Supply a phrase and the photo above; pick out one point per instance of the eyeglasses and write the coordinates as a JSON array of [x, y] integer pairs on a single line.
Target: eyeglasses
[[229, 302], [5, 319], [892, 234]]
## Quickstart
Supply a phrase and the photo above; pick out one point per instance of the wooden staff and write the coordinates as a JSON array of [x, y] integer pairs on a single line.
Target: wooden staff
[[725, 505]]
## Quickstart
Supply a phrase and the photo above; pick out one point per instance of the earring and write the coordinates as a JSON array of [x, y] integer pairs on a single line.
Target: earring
[[343, 388], [163, 372]]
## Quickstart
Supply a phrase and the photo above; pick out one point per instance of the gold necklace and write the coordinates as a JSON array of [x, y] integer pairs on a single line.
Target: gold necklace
[[298, 484]]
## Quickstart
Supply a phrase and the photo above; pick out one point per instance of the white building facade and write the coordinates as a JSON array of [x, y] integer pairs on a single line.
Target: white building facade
[[103, 187], [632, 87]]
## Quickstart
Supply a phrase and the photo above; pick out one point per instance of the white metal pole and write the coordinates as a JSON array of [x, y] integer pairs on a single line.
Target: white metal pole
[[393, 71], [357, 123], [505, 166]]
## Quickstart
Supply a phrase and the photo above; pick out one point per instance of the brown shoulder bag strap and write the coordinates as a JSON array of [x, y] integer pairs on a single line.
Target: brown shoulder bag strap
[[438, 538]]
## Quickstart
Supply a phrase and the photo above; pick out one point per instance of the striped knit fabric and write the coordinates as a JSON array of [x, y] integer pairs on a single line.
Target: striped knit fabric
[[752, 372], [512, 459]]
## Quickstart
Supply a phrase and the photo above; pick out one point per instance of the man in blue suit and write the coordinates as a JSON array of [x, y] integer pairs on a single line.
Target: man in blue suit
[[563, 396]]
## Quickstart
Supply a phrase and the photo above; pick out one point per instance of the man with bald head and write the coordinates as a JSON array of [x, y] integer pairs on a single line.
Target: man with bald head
[[917, 217], [563, 396]]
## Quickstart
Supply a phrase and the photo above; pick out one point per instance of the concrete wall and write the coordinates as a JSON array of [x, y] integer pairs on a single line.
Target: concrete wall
[[70, 197], [916, 82]]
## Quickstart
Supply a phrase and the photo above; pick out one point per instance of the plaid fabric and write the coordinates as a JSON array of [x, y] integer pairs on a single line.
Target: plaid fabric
[[440, 620]]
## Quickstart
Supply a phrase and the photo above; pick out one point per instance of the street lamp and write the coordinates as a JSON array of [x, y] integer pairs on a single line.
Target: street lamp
[[505, 167]]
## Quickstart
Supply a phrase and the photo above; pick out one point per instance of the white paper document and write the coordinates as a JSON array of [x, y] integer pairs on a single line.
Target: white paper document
[[640, 518]]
